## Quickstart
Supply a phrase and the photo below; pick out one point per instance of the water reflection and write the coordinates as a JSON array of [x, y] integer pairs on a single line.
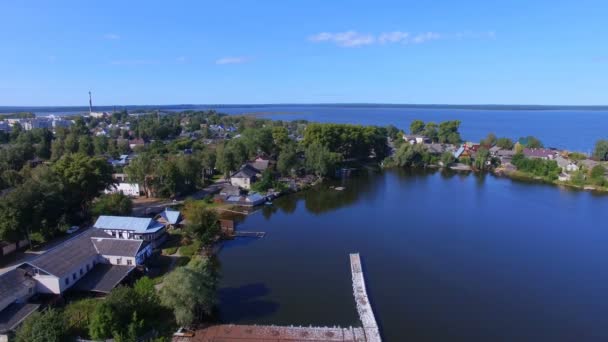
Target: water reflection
[[249, 299]]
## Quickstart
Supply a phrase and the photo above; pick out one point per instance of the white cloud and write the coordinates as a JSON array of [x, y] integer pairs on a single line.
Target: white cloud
[[231, 60], [355, 39], [344, 39], [393, 37], [425, 37], [111, 36]]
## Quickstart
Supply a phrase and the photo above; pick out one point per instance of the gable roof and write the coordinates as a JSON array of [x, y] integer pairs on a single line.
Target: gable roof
[[67, 256], [118, 247], [260, 164], [137, 224], [13, 282], [246, 171], [171, 216]]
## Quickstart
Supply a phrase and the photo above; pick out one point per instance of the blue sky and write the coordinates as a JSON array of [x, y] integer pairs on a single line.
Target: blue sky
[[452, 52]]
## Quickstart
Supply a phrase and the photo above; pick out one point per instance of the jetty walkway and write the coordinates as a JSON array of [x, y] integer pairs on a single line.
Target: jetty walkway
[[369, 331], [364, 308]]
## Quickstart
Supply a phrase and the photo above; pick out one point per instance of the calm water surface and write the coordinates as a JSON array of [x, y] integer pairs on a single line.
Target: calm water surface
[[448, 257]]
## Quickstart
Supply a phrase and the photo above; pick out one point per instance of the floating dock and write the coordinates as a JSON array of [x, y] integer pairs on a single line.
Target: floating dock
[[364, 308], [241, 233]]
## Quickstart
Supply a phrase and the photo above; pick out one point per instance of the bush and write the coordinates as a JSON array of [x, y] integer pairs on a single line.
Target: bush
[[190, 250], [48, 326], [546, 169], [78, 315]]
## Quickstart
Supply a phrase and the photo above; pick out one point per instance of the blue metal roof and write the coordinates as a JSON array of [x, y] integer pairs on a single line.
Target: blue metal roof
[[136, 224], [171, 216]]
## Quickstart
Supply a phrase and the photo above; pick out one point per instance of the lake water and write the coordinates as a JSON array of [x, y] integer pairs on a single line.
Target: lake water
[[447, 257], [574, 129]]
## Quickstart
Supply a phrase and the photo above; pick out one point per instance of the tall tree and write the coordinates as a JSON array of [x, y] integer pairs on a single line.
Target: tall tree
[[84, 177], [191, 292], [601, 150], [417, 127]]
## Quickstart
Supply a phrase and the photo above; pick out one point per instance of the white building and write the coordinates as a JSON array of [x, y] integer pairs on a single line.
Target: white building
[[92, 261], [244, 177], [133, 228], [128, 189]]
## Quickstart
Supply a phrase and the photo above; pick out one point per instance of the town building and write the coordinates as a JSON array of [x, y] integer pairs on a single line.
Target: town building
[[133, 228], [127, 189], [244, 177], [92, 261]]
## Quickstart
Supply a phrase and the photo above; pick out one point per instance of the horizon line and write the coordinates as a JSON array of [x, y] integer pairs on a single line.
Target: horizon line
[[311, 104]]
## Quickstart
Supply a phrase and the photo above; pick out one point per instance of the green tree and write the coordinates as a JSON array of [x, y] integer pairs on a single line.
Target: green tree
[[191, 292], [84, 177], [203, 223], [601, 150], [597, 175], [505, 143], [489, 141], [48, 326], [141, 171], [417, 127], [280, 136], [288, 159], [411, 155], [531, 142], [447, 159], [431, 131], [112, 204], [448, 132], [481, 158], [320, 160]]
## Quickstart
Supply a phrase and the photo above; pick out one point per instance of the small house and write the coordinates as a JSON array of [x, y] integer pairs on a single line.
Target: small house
[[170, 218], [244, 177]]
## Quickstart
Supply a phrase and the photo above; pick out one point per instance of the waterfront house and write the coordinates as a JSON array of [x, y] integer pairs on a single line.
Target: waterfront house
[[244, 177], [565, 164], [458, 153], [542, 153], [133, 228], [170, 218], [260, 163]]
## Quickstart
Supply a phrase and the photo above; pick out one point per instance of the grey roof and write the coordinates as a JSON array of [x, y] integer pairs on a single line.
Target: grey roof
[[230, 190], [115, 246], [136, 224], [246, 171], [260, 164], [14, 281], [67, 256], [14, 314], [103, 278]]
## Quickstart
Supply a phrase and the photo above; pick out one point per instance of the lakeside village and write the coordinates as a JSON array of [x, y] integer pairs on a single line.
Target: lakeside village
[[110, 221]]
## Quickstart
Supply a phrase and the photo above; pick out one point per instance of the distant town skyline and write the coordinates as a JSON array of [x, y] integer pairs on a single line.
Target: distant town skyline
[[241, 52]]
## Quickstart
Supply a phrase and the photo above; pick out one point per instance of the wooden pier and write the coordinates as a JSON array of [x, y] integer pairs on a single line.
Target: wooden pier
[[241, 233], [364, 308]]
